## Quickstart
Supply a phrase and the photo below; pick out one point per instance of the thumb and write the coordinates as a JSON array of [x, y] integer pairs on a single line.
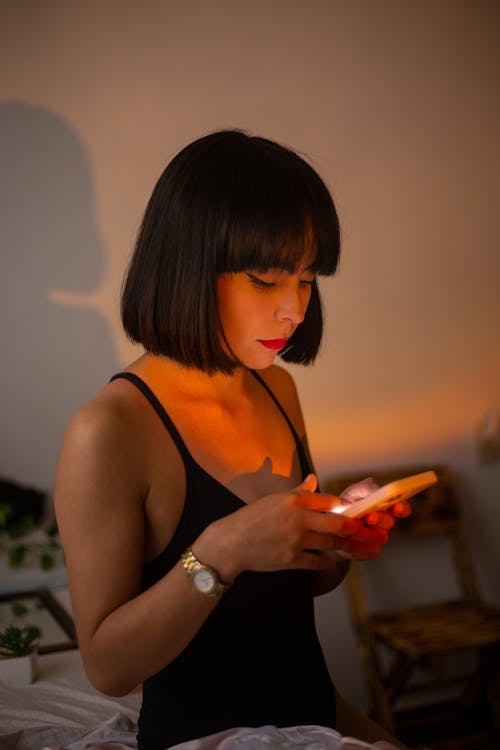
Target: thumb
[[309, 484]]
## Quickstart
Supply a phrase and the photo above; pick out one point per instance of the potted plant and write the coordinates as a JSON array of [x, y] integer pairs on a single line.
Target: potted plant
[[22, 537], [18, 647]]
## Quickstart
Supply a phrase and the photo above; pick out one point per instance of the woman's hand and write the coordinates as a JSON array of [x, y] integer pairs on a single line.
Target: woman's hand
[[381, 519], [288, 530]]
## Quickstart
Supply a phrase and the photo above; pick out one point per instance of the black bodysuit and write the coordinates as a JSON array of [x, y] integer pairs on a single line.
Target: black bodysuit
[[257, 659]]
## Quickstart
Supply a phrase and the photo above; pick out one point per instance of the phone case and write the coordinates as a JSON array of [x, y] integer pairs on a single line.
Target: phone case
[[393, 492]]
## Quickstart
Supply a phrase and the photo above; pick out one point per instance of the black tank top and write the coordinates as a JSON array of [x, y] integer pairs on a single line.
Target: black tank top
[[257, 659]]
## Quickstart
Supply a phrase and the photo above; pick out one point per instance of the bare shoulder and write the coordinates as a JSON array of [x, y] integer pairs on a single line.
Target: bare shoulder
[[282, 384], [99, 497], [103, 442], [107, 419]]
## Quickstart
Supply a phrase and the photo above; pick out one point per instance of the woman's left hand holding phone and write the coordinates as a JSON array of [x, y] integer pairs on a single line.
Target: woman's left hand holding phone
[[287, 531]]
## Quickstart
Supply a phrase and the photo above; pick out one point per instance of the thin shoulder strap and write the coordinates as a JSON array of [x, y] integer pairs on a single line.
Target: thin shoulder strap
[[174, 433], [300, 446], [150, 396]]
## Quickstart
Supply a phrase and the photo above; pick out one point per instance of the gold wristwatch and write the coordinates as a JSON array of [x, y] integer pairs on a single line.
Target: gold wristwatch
[[204, 579]]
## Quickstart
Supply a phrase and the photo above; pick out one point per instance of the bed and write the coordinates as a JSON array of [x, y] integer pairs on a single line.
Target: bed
[[61, 710]]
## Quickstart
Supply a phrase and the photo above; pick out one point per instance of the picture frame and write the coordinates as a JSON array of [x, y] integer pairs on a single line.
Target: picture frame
[[40, 608]]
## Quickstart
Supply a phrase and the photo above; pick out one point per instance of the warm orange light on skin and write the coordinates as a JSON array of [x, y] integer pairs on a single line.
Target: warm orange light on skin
[[262, 306], [371, 529], [318, 501]]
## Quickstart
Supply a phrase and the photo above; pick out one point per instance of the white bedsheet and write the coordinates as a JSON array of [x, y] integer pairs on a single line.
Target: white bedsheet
[[274, 738], [62, 711], [118, 734], [61, 707]]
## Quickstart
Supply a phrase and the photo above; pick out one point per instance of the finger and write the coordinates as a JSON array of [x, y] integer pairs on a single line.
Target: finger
[[309, 484], [359, 490], [370, 535], [380, 519], [319, 542], [319, 501], [312, 561], [346, 528], [353, 550], [329, 523], [401, 510]]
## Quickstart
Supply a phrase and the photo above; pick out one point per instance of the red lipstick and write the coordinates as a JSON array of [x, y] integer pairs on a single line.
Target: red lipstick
[[275, 344]]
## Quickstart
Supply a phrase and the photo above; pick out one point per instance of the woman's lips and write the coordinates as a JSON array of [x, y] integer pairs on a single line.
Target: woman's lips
[[275, 344]]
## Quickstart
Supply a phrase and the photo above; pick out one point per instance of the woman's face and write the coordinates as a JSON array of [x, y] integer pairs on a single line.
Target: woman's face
[[259, 311]]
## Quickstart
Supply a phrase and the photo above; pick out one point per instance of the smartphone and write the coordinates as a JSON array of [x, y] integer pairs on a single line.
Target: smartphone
[[385, 496]]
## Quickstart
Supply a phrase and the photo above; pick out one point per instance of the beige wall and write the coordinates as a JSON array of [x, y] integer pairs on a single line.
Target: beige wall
[[396, 102]]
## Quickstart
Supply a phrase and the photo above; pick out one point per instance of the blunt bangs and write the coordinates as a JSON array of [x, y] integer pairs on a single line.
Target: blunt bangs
[[278, 212], [228, 202]]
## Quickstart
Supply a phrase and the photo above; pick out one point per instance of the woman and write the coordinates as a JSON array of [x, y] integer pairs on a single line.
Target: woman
[[184, 494]]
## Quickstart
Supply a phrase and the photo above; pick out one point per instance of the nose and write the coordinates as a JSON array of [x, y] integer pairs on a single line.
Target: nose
[[293, 305]]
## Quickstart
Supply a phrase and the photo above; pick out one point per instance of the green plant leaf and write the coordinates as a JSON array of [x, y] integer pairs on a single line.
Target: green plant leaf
[[25, 524], [17, 555], [46, 561], [52, 531], [5, 514], [16, 641], [18, 609]]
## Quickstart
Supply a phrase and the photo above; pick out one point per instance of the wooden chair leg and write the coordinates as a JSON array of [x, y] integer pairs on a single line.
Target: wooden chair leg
[[381, 709], [397, 676]]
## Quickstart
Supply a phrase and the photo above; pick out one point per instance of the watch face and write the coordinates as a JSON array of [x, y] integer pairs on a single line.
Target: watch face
[[204, 580]]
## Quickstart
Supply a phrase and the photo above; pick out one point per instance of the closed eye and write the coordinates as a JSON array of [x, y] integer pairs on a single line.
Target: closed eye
[[260, 282]]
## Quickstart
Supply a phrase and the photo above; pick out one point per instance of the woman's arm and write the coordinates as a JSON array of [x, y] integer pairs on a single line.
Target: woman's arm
[[101, 488], [103, 484]]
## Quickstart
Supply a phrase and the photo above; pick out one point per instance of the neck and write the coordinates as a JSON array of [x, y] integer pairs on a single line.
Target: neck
[[160, 371]]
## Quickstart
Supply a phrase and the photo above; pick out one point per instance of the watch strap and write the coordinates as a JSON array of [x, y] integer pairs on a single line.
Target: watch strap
[[192, 565]]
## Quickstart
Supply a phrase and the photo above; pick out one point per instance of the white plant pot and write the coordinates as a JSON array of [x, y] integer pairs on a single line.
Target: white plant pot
[[18, 670]]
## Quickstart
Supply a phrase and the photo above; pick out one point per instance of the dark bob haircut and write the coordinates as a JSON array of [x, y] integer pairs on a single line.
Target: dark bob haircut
[[226, 203]]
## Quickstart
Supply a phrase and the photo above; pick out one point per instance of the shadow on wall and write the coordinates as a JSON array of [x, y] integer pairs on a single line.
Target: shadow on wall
[[53, 358]]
